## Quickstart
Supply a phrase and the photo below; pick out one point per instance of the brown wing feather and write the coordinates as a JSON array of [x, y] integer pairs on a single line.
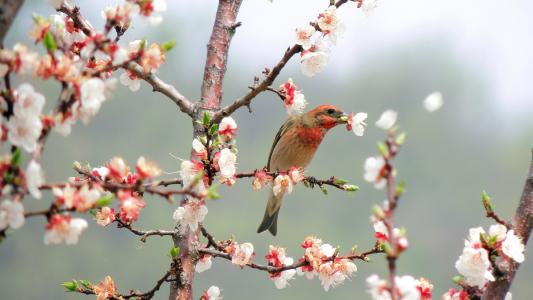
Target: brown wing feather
[[280, 133]]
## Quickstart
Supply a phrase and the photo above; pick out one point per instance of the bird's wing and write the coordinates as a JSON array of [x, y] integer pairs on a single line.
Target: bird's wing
[[282, 130]]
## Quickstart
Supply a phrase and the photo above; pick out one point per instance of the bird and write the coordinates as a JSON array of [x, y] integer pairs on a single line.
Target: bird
[[295, 145]]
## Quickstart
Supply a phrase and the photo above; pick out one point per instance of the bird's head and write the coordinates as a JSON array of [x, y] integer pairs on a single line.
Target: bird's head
[[326, 116]]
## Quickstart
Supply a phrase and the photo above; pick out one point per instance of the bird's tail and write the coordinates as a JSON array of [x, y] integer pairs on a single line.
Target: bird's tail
[[270, 220]]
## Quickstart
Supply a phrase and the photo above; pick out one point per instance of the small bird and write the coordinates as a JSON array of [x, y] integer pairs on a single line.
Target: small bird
[[295, 144]]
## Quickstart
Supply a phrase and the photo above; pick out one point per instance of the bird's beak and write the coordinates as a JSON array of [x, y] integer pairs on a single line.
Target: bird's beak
[[342, 119]]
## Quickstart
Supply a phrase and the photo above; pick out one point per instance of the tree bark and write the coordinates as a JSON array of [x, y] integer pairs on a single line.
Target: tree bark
[[214, 71], [522, 223], [8, 12]]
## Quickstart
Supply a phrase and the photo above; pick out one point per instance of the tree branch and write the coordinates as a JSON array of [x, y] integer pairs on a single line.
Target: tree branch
[[8, 12], [157, 84], [522, 224]]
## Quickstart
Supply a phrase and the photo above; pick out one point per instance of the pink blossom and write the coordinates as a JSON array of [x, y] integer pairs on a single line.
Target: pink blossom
[[129, 207], [147, 169], [261, 178], [227, 127], [453, 294], [241, 254], [191, 172], [118, 168], [199, 149], [152, 9], [28, 102], [152, 58], [105, 216]]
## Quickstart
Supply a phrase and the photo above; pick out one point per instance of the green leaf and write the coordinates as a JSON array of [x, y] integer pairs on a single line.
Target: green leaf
[[70, 286], [324, 190], [350, 187], [168, 45], [400, 188], [487, 202], [105, 200], [382, 149], [212, 192], [16, 159], [206, 120], [174, 252], [340, 181], [400, 139], [458, 279], [213, 129], [85, 283], [49, 42]]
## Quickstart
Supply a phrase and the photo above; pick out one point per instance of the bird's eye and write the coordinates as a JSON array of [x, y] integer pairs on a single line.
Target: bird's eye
[[331, 111]]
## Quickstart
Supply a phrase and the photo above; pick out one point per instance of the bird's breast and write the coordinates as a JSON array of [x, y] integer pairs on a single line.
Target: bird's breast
[[296, 148]]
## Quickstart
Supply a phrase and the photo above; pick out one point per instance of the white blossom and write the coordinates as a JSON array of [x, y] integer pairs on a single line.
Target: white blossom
[[92, 96], [29, 102], [242, 254], [297, 106], [433, 102], [282, 184], [387, 119], [213, 293], [203, 264], [24, 131], [11, 214], [474, 265], [65, 230], [499, 231], [190, 172], [377, 288], [373, 167], [313, 62], [282, 280], [190, 215], [227, 127], [513, 247], [155, 17], [133, 83], [368, 6], [226, 163], [34, 179], [303, 36], [358, 123], [407, 287]]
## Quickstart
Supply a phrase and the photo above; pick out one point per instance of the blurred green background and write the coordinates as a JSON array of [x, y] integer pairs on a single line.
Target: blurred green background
[[478, 54]]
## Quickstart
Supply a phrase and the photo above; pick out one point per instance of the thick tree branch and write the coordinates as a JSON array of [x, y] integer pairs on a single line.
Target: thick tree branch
[[8, 12], [157, 84], [217, 53], [522, 224]]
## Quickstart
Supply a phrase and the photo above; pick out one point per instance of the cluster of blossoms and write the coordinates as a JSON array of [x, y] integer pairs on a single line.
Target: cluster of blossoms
[[84, 64], [481, 248], [120, 15], [283, 183], [322, 261], [407, 288], [276, 258], [294, 100], [214, 155], [315, 54]]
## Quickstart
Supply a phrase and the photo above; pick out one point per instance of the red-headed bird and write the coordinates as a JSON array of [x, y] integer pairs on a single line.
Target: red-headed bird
[[295, 145]]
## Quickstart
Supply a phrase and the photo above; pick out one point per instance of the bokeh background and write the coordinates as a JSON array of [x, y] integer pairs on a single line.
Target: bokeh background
[[477, 53]]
